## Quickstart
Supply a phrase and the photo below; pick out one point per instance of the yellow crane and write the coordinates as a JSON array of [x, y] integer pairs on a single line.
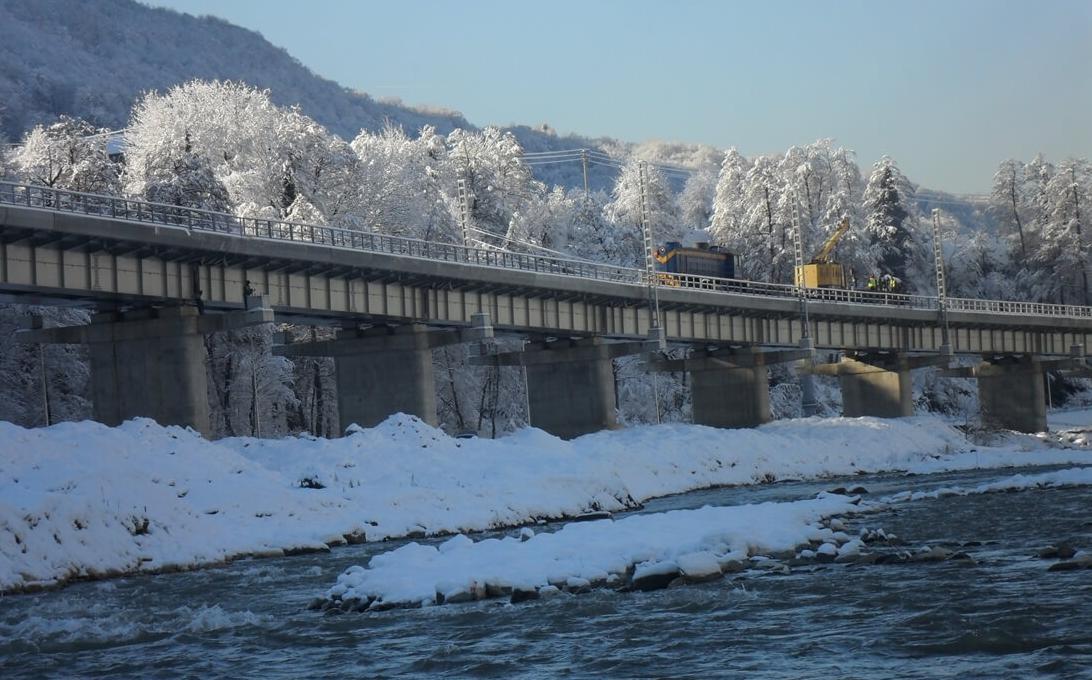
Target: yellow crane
[[821, 272]]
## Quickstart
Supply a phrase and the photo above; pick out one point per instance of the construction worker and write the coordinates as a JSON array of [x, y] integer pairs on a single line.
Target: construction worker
[[893, 284], [873, 283]]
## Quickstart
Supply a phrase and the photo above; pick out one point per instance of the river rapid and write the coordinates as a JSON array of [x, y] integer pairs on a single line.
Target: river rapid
[[1004, 616]]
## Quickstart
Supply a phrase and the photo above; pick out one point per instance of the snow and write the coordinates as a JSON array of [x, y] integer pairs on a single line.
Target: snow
[[696, 543], [661, 543], [82, 500], [1077, 418]]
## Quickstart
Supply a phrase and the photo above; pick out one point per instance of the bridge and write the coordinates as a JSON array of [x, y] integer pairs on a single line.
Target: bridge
[[164, 275]]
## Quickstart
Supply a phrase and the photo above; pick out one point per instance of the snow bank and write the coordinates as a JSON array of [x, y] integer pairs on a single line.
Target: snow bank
[[688, 542], [1056, 479], [84, 500]]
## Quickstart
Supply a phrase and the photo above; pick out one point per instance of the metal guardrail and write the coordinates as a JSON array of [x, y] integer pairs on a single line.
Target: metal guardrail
[[145, 212]]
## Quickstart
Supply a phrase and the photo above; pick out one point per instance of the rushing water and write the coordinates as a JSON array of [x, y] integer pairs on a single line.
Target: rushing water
[[1003, 617]]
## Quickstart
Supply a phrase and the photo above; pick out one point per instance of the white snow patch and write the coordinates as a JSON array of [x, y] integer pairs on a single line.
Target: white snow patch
[[660, 543]]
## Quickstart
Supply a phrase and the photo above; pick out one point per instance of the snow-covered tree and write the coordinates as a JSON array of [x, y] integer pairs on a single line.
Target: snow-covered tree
[[249, 388], [624, 211], [891, 222], [763, 235], [1008, 200], [726, 226], [697, 198], [498, 181], [844, 199], [595, 237], [69, 154], [486, 400], [1065, 239], [318, 172], [399, 186], [228, 129]]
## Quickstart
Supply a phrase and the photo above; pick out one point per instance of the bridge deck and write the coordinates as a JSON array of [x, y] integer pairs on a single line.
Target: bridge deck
[[63, 246]]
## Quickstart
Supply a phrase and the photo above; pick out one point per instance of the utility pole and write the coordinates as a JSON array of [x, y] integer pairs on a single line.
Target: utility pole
[[942, 289], [464, 210], [45, 384], [465, 224], [808, 402], [584, 162], [655, 332], [254, 399]]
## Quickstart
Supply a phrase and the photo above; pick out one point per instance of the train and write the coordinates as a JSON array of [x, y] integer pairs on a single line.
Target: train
[[674, 262]]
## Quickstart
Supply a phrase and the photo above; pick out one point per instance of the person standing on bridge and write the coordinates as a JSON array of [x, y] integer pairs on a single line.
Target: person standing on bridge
[[873, 283]]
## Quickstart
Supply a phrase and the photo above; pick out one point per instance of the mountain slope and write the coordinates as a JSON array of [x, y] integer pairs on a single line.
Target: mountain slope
[[93, 59]]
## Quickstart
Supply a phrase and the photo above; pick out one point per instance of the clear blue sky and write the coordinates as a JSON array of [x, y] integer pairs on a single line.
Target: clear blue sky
[[948, 88]]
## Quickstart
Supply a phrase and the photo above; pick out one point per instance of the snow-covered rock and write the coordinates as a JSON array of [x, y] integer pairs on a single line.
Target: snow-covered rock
[[654, 549]]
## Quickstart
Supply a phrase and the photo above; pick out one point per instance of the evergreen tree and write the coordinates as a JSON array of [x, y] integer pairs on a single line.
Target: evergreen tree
[[890, 223]]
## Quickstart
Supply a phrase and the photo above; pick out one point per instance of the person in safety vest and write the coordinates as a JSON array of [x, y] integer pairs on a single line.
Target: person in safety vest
[[873, 283]]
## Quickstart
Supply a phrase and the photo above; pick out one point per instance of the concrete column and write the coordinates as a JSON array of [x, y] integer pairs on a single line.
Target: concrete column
[[729, 387], [570, 383], [870, 390], [1012, 395], [150, 362], [384, 378], [731, 397], [154, 368], [573, 396], [386, 370]]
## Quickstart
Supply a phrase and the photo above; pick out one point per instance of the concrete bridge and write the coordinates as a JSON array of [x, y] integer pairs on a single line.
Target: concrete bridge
[[161, 273]]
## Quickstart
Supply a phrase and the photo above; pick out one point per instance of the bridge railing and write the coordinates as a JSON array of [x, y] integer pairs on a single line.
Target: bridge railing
[[147, 212], [115, 207], [1018, 308], [760, 288]]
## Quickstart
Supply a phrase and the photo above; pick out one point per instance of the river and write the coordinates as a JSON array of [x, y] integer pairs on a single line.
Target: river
[[1004, 616]]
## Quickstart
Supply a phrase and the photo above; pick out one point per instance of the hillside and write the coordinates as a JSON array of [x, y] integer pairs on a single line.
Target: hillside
[[92, 59]]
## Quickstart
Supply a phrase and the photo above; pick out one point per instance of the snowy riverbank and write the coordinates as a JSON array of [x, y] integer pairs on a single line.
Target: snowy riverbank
[[81, 500]]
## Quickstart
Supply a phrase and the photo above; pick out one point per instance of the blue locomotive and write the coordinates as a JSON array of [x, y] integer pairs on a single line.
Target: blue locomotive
[[701, 260]]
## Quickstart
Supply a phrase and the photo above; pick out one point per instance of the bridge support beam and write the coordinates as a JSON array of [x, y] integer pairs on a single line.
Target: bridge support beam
[[151, 362], [570, 383], [385, 370], [878, 384], [730, 386]]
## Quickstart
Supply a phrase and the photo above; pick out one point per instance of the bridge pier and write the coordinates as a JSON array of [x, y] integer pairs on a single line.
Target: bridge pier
[[570, 383], [878, 384], [150, 362], [385, 370], [1011, 394], [730, 386]]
